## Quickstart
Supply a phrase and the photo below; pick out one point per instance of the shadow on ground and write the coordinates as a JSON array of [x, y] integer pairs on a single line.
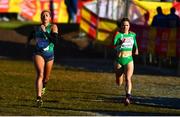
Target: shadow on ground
[[155, 102], [163, 102], [109, 112], [159, 102]]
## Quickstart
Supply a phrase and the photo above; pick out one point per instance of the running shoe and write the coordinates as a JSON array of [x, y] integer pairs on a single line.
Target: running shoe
[[127, 101], [39, 103]]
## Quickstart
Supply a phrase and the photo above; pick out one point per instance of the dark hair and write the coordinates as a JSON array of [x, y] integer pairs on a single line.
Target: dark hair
[[45, 11], [173, 10], [120, 22], [159, 10]]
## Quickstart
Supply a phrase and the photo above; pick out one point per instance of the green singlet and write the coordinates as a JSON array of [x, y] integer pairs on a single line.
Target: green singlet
[[44, 47], [125, 42], [43, 42]]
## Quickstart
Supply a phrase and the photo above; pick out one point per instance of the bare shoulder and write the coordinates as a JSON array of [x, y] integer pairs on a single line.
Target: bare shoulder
[[132, 32], [54, 28]]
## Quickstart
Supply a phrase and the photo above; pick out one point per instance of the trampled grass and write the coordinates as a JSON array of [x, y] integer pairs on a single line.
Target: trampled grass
[[72, 91]]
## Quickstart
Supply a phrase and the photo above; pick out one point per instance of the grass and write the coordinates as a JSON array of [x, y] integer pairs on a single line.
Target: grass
[[14, 24], [73, 91]]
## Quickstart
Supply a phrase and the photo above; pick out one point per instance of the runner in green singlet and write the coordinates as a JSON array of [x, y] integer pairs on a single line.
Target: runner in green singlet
[[125, 43], [46, 36]]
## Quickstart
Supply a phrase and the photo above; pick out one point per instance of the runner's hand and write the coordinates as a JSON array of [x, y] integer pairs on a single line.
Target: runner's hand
[[43, 28]]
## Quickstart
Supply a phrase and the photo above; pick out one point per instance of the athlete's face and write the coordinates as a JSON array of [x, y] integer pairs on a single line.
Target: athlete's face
[[45, 17], [125, 26]]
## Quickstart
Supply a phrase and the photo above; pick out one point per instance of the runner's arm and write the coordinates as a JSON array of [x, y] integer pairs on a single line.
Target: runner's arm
[[53, 36], [136, 46]]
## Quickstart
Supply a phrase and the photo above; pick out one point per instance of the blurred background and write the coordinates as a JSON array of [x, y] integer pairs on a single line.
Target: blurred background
[[87, 28]]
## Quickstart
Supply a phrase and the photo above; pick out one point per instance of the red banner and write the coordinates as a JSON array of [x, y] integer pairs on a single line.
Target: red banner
[[177, 6]]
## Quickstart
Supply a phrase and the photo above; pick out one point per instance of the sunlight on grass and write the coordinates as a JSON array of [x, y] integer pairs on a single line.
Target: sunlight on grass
[[76, 92]]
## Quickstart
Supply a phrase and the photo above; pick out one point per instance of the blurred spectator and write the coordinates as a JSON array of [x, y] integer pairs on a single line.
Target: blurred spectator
[[71, 9], [146, 18], [173, 19], [51, 7], [159, 20]]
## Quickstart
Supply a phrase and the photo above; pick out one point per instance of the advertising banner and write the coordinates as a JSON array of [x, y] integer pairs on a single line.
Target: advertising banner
[[10, 6], [4, 6], [31, 9], [14, 6], [178, 43], [172, 42], [161, 41], [141, 36]]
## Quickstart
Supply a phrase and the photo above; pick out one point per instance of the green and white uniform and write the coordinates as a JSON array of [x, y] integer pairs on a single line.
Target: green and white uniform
[[44, 46], [125, 42]]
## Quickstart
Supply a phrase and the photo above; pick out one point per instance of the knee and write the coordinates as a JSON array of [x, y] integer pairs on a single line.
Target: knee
[[119, 74], [128, 80], [46, 78], [40, 75]]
